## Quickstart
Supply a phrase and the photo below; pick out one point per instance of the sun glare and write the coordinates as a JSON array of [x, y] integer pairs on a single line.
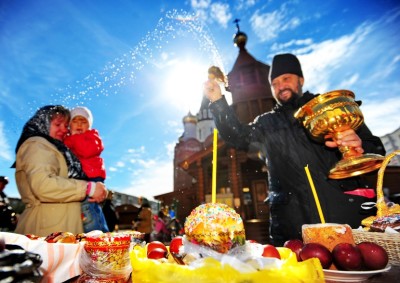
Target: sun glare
[[184, 85]]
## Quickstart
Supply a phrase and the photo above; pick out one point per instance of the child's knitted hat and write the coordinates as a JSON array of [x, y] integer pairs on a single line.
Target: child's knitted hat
[[84, 112]]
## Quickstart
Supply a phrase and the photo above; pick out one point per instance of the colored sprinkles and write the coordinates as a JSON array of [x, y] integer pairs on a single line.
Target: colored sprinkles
[[215, 225]]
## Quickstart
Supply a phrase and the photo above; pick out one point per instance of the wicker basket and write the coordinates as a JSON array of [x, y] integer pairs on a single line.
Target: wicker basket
[[389, 241]]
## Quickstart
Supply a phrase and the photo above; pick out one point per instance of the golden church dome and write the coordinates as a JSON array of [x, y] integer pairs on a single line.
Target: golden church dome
[[190, 118]]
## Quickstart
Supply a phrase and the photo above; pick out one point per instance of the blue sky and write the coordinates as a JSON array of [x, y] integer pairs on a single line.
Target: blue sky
[[139, 65]]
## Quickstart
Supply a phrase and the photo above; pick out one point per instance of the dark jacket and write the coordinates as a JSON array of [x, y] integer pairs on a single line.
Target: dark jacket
[[288, 149]]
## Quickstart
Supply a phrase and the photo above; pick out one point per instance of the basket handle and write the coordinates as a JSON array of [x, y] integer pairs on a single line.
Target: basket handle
[[382, 208]]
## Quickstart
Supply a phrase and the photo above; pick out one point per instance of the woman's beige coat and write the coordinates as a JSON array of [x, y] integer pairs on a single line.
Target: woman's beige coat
[[52, 200], [145, 224]]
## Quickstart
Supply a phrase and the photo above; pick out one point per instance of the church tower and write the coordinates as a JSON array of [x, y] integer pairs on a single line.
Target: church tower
[[189, 125], [248, 83]]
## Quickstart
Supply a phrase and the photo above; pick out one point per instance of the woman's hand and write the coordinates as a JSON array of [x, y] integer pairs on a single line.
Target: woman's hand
[[100, 193]]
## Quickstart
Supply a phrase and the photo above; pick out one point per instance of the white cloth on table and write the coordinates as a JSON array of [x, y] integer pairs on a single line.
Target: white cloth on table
[[60, 261]]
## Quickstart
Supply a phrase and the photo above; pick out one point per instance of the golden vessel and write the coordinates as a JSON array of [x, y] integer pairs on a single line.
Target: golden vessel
[[329, 114]]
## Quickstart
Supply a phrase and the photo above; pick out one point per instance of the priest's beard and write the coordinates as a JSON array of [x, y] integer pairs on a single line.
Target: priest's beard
[[294, 97]]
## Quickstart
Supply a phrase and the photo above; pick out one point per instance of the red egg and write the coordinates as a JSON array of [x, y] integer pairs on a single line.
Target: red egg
[[156, 244], [295, 245], [374, 256], [319, 251], [157, 253], [347, 257], [175, 244], [271, 251]]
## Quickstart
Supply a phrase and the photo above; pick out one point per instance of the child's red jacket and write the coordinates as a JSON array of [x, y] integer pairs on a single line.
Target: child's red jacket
[[88, 147]]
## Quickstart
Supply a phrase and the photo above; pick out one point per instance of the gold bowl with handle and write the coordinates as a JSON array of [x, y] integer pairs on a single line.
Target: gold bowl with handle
[[329, 114]]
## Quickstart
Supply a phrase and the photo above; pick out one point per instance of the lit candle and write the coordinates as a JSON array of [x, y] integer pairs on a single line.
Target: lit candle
[[321, 216], [214, 167]]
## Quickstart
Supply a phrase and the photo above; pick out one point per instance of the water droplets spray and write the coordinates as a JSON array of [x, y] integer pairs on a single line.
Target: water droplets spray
[[175, 26]]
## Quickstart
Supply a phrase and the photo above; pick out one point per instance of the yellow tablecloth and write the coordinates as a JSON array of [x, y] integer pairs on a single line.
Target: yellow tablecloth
[[212, 271]]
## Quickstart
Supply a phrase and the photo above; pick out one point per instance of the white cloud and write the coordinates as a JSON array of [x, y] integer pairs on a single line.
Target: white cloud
[[212, 12], [176, 127], [220, 13], [137, 151], [5, 151], [321, 60], [147, 163], [295, 43], [200, 4], [170, 149], [115, 168], [148, 176], [349, 82], [362, 59], [202, 15], [151, 181], [244, 4], [267, 26], [120, 164], [386, 68], [382, 118]]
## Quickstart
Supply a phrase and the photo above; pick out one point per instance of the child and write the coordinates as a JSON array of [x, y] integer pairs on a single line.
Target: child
[[160, 228], [87, 145]]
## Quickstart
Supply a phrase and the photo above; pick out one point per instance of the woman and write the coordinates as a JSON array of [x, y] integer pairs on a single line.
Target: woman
[[144, 222], [49, 177]]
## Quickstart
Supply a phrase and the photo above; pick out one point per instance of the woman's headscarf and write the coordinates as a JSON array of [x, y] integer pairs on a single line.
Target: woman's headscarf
[[39, 126]]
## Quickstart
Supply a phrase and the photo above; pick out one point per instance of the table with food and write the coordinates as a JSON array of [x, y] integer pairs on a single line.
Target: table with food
[[214, 249]]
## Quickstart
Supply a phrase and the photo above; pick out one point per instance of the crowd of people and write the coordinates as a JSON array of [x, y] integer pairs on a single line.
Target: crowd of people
[[60, 174], [162, 226]]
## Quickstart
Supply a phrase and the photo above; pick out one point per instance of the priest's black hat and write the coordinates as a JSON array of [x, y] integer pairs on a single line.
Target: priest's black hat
[[285, 64]]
